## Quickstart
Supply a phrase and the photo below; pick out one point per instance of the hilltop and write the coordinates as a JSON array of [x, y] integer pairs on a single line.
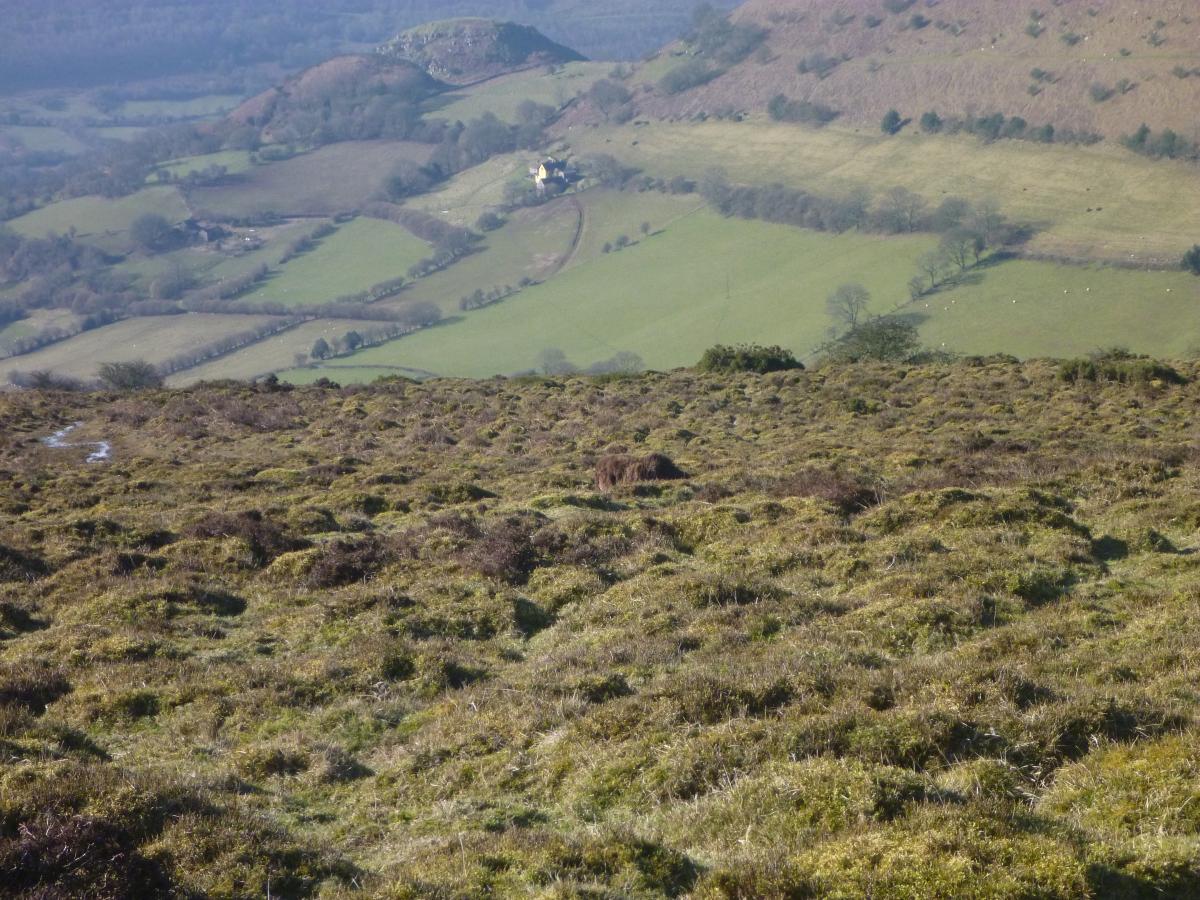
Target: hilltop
[[1093, 66], [902, 631], [464, 51]]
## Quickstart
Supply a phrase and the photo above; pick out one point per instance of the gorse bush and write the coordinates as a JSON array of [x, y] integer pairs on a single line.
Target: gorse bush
[[1120, 366], [747, 358]]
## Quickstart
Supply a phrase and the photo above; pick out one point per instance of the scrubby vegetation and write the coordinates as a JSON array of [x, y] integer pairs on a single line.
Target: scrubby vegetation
[[902, 630]]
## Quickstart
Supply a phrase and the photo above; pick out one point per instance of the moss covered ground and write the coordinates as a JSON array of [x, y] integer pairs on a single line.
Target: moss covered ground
[[903, 632]]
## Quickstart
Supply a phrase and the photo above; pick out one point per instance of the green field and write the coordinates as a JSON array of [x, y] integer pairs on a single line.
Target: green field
[[154, 339], [362, 253], [471, 193], [196, 108], [272, 354], [501, 96], [100, 221], [699, 279], [534, 244], [333, 179], [234, 161], [39, 139], [1140, 209], [34, 322], [703, 280], [1066, 311]]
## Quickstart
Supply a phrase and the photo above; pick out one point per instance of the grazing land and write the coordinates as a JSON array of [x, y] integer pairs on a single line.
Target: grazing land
[[1088, 203], [703, 280], [152, 338], [235, 162], [271, 354], [501, 96], [99, 221], [323, 182], [360, 254], [902, 631]]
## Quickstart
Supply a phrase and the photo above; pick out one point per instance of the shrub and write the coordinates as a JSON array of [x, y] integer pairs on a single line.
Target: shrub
[[757, 358], [137, 375], [1120, 366], [781, 109], [688, 75]]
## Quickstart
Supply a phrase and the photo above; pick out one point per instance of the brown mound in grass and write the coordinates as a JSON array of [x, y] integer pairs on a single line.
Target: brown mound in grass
[[621, 469]]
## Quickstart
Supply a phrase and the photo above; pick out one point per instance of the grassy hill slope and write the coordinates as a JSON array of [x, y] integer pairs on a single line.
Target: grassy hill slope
[[927, 631], [965, 56]]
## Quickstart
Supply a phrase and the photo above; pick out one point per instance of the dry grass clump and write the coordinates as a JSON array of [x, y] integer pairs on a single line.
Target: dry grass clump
[[936, 643]]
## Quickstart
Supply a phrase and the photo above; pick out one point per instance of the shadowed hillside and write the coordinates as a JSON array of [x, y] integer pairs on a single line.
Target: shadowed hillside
[[1101, 66], [921, 631]]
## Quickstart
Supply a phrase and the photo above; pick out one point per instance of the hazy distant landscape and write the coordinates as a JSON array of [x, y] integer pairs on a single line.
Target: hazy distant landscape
[[535, 448]]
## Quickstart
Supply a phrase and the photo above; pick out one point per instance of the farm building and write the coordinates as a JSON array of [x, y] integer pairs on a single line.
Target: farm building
[[550, 171]]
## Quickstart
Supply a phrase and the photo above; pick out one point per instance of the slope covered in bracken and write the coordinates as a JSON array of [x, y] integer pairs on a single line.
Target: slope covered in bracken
[[1047, 63], [919, 631]]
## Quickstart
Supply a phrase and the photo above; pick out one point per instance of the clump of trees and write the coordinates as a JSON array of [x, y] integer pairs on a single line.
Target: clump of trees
[[997, 126], [804, 112], [880, 339], [1191, 260], [728, 360], [553, 361], [1166, 144]]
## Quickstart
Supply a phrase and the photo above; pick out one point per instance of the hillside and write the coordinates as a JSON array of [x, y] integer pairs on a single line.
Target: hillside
[[902, 632], [1098, 66]]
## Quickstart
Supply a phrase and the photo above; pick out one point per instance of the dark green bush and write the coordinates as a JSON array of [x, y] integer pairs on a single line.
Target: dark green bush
[[747, 358]]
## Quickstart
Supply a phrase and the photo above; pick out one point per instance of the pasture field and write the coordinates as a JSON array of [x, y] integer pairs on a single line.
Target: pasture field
[[503, 95], [362, 253], [234, 161], [152, 338], [1101, 202], [33, 323], [699, 279], [333, 179], [608, 215], [703, 280], [534, 244], [210, 265], [44, 139], [271, 354], [469, 194], [1066, 311], [101, 221], [208, 106]]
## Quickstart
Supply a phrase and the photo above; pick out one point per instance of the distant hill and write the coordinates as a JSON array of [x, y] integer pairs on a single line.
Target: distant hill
[[343, 96], [1101, 66], [464, 51]]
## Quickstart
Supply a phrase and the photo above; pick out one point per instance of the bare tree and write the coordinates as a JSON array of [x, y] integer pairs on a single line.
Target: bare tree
[[932, 264], [901, 210], [848, 304], [958, 247]]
